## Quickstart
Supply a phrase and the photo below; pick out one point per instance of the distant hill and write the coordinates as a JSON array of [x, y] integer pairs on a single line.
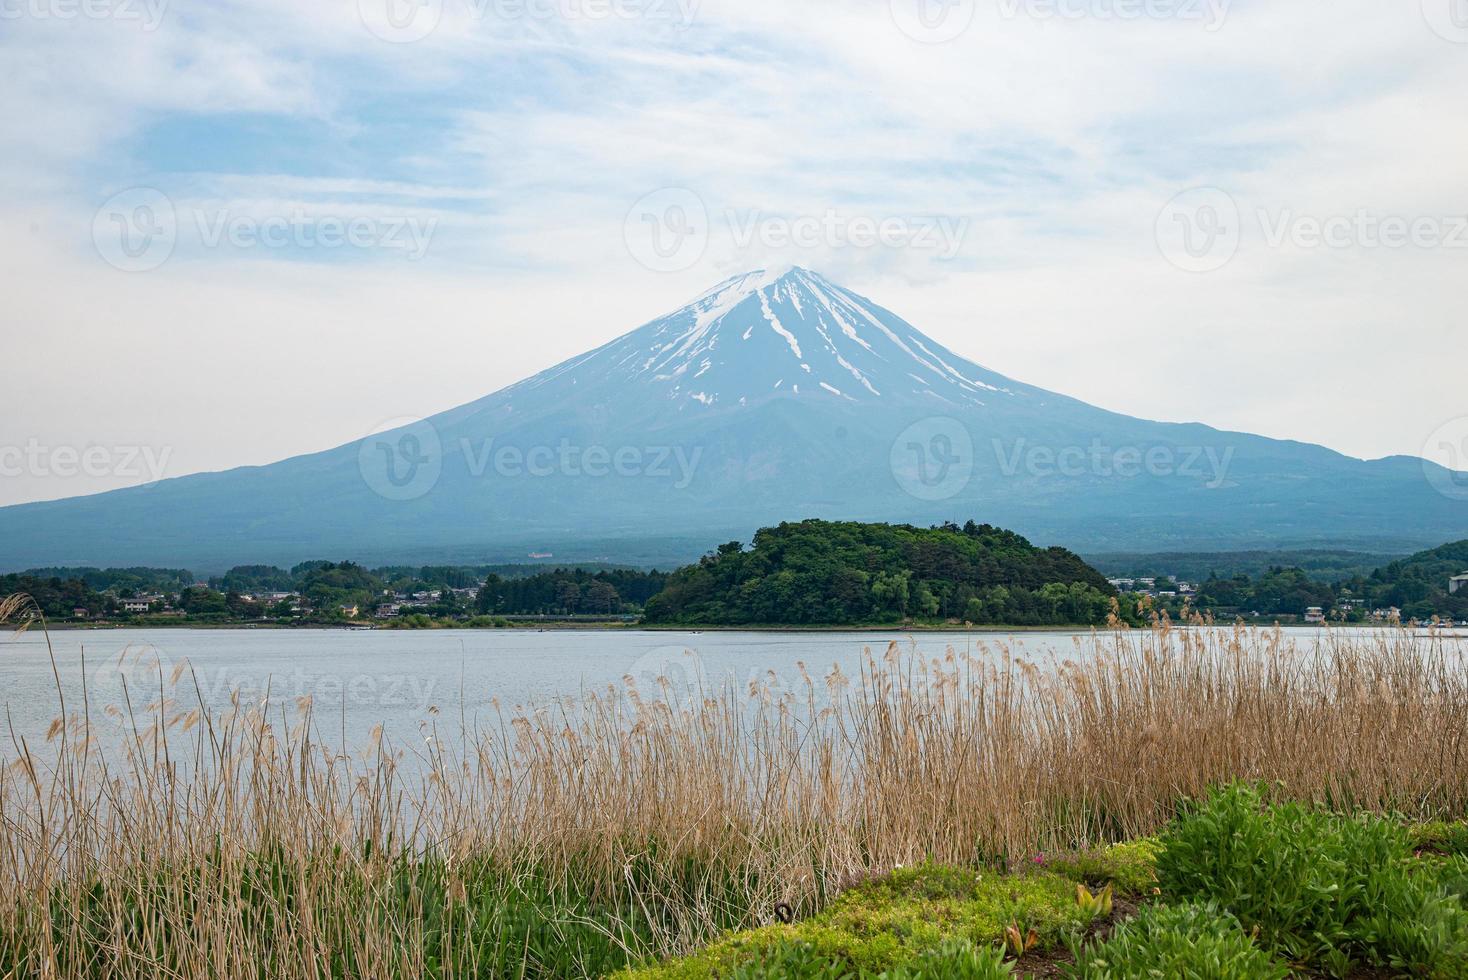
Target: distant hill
[[776, 393], [1419, 585], [1318, 564], [119, 579], [823, 573]]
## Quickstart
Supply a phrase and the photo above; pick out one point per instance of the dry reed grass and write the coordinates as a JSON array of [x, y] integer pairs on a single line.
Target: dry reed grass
[[582, 835]]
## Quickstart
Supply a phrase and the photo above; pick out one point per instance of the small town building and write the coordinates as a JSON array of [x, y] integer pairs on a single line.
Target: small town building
[[1315, 614], [1457, 583]]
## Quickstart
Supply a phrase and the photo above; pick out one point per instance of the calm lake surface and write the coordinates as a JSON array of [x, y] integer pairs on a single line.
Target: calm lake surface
[[358, 679]]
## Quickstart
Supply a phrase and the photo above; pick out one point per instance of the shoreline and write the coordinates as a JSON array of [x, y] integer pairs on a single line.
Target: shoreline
[[563, 627]]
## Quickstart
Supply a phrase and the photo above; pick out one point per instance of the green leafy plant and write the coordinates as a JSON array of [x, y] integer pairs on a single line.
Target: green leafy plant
[[956, 960], [1182, 942], [1320, 888], [1097, 905]]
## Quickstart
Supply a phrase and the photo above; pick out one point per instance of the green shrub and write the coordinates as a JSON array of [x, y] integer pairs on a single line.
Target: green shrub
[[792, 961], [1320, 888], [1440, 838], [1182, 942], [956, 960], [1452, 875], [1130, 868]]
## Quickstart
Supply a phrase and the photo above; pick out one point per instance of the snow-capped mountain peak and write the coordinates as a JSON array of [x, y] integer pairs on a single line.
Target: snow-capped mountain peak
[[781, 333]]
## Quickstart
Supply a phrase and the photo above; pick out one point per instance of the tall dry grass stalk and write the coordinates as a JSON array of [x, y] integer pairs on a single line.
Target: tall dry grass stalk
[[585, 834]]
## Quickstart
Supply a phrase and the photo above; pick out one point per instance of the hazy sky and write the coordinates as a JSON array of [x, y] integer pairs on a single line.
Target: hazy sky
[[238, 230]]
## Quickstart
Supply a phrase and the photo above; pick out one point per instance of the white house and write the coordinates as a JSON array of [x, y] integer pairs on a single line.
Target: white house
[[1315, 614], [1457, 583]]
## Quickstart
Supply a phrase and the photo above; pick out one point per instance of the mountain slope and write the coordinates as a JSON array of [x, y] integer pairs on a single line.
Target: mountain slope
[[774, 396]]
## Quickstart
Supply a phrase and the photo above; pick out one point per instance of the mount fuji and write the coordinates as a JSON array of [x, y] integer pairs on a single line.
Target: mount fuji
[[776, 395]]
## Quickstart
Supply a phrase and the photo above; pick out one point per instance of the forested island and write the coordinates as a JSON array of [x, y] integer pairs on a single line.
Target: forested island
[[825, 573]]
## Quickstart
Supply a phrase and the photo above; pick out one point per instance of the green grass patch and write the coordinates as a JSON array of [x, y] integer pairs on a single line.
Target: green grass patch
[[1130, 868], [946, 918], [481, 920], [1438, 837]]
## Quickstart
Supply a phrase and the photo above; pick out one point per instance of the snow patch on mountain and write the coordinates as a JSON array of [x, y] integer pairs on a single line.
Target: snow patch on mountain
[[742, 339]]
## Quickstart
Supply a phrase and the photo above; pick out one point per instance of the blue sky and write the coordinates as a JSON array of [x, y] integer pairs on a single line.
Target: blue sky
[[483, 183]]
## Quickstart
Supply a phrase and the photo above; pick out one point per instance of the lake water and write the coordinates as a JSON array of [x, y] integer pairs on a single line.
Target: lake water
[[358, 679]]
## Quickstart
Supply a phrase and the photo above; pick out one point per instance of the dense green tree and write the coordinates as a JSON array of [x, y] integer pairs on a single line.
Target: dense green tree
[[819, 572]]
